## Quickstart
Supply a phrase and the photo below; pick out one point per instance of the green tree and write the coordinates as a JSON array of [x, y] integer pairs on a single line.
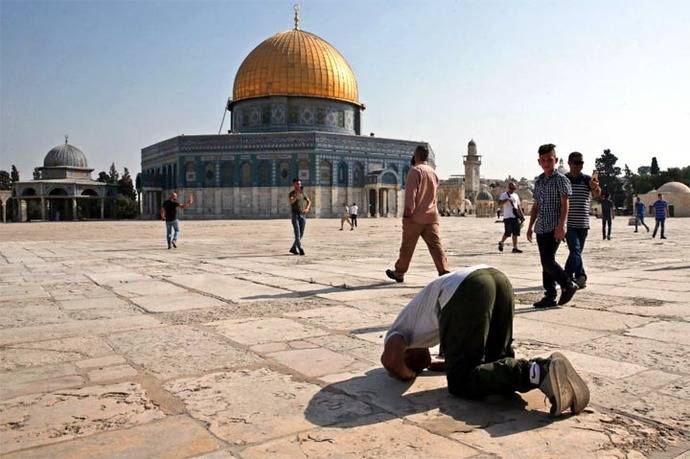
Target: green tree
[[125, 186], [644, 170], [103, 177], [628, 186], [125, 207], [14, 174], [37, 173], [113, 175], [654, 169], [5, 180], [609, 175]]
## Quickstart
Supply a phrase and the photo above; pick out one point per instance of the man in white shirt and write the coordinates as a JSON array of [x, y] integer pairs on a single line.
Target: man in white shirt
[[511, 222], [353, 215], [470, 314]]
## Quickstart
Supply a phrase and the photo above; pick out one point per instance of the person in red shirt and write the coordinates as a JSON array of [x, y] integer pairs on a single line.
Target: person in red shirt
[[420, 217]]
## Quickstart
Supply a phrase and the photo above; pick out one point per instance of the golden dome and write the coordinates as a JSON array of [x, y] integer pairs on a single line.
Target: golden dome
[[295, 63]]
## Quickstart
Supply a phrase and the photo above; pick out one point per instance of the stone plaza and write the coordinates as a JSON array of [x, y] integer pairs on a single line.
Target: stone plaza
[[229, 347]]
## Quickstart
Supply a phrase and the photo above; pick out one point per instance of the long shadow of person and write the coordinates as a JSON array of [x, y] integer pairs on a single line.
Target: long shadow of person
[[377, 397]]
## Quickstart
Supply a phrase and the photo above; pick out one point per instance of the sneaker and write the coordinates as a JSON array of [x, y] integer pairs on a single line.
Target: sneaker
[[173, 244], [293, 251], [391, 274], [546, 302], [301, 251], [567, 294], [516, 250], [581, 282], [562, 385], [500, 247]]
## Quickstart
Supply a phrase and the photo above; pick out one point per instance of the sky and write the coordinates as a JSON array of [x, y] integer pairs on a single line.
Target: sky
[[586, 75]]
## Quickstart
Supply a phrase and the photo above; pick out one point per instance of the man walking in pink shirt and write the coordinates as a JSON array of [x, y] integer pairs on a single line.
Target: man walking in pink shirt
[[420, 217]]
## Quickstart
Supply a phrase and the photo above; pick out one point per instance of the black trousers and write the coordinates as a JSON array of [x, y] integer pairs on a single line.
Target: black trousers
[[606, 222], [551, 271], [476, 328], [353, 219]]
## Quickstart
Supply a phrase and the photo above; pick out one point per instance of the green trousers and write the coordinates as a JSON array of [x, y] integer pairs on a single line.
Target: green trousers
[[476, 328]]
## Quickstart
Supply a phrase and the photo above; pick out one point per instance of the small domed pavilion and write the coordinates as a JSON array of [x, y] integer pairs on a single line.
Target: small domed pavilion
[[64, 190]]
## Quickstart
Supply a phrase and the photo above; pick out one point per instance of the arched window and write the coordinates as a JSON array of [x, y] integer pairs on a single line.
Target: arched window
[[190, 173], [326, 172], [358, 174], [209, 174], [303, 167], [284, 174], [227, 174], [246, 174], [342, 173], [389, 178], [264, 172]]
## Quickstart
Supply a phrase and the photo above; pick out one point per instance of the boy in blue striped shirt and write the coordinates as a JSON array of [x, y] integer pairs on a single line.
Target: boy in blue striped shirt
[[660, 213]]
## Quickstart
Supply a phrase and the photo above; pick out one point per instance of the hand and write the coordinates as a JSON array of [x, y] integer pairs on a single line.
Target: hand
[[529, 234], [594, 184], [559, 234]]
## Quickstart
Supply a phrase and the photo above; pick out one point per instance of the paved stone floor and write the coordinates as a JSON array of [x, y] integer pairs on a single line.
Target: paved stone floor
[[229, 347]]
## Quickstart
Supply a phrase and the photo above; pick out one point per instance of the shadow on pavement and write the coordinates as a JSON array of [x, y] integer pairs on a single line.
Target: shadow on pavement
[[388, 399]]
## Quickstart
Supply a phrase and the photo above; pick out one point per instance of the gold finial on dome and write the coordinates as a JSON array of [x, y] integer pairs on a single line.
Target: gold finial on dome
[[296, 8]]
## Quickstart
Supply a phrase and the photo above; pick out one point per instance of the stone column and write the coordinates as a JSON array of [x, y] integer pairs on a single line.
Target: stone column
[[22, 210], [43, 209], [102, 208], [4, 211], [74, 208]]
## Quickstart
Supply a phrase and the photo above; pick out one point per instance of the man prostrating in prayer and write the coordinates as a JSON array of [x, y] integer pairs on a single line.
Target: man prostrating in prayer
[[470, 313]]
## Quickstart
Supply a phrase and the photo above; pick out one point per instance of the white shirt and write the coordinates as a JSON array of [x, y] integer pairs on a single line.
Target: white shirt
[[353, 210], [507, 208], [417, 323]]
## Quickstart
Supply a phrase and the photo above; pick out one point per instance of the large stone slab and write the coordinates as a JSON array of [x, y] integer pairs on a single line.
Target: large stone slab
[[40, 353], [587, 318], [670, 332], [48, 418], [94, 327], [341, 317], [367, 438], [180, 350], [315, 362], [564, 335], [174, 437], [230, 288], [176, 302], [248, 406], [147, 287], [39, 379], [256, 331]]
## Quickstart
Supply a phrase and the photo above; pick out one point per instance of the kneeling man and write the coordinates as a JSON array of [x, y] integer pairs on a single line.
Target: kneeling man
[[470, 313]]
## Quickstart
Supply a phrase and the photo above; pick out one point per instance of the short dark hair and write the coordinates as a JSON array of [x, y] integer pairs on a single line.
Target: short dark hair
[[576, 155], [295, 180], [546, 149], [422, 152]]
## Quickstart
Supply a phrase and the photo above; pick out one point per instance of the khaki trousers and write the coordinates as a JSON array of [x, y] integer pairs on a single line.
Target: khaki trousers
[[431, 233]]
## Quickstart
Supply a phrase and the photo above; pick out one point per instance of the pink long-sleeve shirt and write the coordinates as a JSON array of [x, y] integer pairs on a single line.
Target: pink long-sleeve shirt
[[420, 194]]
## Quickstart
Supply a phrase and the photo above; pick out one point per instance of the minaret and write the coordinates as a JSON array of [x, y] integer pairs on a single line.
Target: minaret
[[472, 162]]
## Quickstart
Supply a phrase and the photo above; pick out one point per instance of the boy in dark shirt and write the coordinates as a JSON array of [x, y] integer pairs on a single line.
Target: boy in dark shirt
[[607, 215]]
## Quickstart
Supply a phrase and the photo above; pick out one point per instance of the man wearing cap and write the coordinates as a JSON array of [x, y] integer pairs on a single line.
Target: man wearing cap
[[583, 186]]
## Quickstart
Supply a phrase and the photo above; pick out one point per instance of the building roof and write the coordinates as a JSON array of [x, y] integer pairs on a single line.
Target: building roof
[[484, 196], [65, 155], [674, 187], [296, 63]]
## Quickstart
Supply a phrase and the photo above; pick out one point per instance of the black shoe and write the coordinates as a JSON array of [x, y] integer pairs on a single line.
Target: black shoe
[[301, 251], [168, 246], [567, 294], [562, 385], [608, 237], [341, 229], [500, 247], [662, 237], [581, 282], [516, 250], [173, 244], [391, 274], [293, 251], [546, 302], [635, 231]]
